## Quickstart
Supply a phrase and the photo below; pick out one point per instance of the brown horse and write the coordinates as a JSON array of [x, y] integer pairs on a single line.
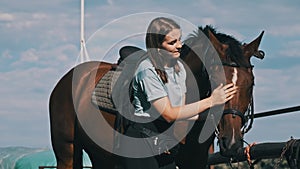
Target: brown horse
[[235, 64], [72, 113]]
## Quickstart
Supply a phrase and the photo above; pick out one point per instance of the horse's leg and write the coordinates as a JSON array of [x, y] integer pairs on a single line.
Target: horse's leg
[[62, 141], [193, 155], [100, 158], [78, 147], [62, 124], [68, 150]]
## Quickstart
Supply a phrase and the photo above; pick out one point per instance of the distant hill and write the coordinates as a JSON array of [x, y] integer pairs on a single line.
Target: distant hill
[[30, 158]]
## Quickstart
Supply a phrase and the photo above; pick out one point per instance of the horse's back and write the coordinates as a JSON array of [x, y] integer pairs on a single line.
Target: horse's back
[[69, 87]]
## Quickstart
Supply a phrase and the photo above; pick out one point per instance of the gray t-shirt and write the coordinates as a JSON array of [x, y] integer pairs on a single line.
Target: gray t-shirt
[[147, 86]]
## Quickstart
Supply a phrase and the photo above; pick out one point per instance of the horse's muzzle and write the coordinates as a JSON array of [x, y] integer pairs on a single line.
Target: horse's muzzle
[[229, 148]]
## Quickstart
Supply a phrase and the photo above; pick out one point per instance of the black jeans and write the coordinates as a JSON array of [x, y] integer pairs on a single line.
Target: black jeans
[[155, 162]]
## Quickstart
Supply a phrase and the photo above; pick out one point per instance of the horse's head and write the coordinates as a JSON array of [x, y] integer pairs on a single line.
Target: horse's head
[[232, 66], [236, 65]]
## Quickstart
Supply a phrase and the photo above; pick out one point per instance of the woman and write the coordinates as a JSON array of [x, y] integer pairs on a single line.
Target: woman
[[158, 90]]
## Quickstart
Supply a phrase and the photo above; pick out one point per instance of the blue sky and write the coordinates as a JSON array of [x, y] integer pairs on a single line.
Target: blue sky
[[40, 42]]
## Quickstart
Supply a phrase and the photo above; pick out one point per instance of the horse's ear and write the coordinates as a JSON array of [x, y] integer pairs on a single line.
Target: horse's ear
[[251, 49], [220, 47]]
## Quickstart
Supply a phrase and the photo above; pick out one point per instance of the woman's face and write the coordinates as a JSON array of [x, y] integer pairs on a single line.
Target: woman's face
[[172, 44]]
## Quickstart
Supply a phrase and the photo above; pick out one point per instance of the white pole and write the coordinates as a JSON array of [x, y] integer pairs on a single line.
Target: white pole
[[82, 21], [83, 52]]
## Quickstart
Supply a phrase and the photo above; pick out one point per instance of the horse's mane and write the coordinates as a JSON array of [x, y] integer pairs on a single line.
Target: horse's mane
[[234, 50]]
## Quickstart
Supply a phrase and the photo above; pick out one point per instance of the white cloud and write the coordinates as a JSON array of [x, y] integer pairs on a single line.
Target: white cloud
[[208, 21], [21, 21], [6, 17], [39, 16], [63, 56], [110, 2], [6, 55], [29, 56], [277, 88], [291, 49], [292, 29]]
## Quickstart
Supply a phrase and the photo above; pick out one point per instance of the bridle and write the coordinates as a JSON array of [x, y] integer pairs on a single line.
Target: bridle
[[247, 118]]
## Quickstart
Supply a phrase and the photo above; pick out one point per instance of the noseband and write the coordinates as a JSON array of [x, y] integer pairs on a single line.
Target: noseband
[[234, 114], [245, 117]]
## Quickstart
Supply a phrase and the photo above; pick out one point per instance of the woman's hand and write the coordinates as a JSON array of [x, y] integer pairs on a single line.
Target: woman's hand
[[222, 94], [219, 96]]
